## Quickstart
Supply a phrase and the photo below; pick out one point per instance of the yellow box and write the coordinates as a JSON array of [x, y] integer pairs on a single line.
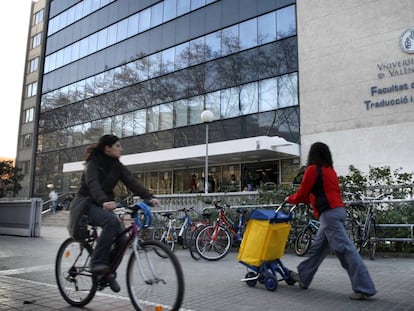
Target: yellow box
[[263, 241]]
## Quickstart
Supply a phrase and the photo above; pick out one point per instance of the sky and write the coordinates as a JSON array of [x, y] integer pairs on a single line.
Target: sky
[[14, 25]]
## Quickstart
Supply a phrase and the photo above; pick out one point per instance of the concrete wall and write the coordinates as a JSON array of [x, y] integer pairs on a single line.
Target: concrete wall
[[346, 48], [21, 217]]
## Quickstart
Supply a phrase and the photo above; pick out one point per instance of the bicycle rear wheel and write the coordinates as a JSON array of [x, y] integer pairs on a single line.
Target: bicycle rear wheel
[[353, 231], [210, 249], [72, 271], [153, 279], [303, 241], [372, 240]]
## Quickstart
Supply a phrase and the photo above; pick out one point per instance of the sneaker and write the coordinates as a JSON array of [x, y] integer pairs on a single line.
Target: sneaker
[[359, 296], [113, 284], [295, 277]]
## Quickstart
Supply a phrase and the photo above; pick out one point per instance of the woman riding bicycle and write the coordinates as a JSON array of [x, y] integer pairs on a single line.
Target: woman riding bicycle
[[96, 199]]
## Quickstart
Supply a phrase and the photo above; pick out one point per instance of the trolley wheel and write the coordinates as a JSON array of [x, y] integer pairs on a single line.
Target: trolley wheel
[[251, 274], [270, 282], [262, 277]]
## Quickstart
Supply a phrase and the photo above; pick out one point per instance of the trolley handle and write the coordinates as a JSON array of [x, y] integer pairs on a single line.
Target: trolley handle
[[284, 204]]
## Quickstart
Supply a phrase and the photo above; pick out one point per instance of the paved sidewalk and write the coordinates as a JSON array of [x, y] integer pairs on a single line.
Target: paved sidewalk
[[27, 282]]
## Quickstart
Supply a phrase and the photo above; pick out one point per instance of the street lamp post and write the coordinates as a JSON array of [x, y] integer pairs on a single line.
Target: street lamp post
[[206, 117]]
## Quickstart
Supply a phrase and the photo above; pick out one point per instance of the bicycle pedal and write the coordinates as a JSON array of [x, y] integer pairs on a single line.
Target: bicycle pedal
[[101, 285]]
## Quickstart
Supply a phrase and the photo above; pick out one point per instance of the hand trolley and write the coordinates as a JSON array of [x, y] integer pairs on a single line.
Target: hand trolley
[[262, 247]]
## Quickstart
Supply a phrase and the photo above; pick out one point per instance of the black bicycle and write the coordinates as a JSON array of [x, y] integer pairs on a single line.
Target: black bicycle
[[307, 234], [361, 229], [154, 275]]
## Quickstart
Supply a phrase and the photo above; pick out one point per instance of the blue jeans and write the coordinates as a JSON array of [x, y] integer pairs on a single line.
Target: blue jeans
[[332, 235], [53, 205], [111, 227]]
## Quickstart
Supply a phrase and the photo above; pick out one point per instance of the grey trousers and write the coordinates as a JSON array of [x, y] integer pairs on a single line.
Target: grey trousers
[[111, 226], [332, 235]]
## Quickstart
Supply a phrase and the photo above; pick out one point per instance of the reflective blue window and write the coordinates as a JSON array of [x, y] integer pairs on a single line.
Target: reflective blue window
[[286, 22], [181, 113], [248, 34], [268, 94], [140, 121], [249, 98], [230, 40], [168, 60], [144, 20], [213, 45], [112, 35], [183, 6], [195, 4], [195, 108], [229, 100], [267, 28], [153, 118], [288, 90], [170, 9], [157, 14], [122, 31], [102, 35], [166, 116], [133, 25]]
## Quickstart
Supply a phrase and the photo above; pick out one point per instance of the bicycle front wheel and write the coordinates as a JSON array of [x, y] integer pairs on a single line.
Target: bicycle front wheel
[[155, 279], [212, 245], [192, 242], [72, 271]]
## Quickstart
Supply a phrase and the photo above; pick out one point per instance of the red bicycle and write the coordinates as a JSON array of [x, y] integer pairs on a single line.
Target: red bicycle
[[214, 241]]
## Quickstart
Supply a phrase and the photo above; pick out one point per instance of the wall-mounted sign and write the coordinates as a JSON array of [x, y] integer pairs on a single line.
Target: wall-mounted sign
[[407, 40]]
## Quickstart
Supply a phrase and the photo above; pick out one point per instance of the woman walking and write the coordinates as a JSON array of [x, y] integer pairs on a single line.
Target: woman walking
[[320, 188]]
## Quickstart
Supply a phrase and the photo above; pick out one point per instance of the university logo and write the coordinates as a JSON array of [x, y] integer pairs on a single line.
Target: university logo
[[407, 40]]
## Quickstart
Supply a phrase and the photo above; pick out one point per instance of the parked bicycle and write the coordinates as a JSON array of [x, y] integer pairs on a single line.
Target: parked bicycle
[[153, 274], [306, 236], [192, 232], [214, 241], [362, 228], [168, 233]]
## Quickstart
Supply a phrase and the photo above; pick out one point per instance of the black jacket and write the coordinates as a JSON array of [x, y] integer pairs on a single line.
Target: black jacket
[[99, 178], [101, 175]]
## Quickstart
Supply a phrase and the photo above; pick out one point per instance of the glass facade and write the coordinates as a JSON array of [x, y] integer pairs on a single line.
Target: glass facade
[[147, 73]]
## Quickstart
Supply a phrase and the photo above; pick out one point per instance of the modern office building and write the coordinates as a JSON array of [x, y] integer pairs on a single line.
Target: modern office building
[[25, 155], [276, 74]]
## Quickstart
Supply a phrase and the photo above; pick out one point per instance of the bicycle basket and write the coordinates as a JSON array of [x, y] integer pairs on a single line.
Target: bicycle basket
[[144, 215]]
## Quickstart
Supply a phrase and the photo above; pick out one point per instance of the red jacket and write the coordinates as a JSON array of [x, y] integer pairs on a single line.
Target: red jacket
[[320, 189]]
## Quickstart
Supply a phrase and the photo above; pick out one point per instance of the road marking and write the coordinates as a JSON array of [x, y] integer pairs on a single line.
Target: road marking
[[27, 269], [5, 274]]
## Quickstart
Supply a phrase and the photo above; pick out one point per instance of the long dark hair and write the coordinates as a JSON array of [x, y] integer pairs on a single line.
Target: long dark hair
[[319, 154], [106, 140]]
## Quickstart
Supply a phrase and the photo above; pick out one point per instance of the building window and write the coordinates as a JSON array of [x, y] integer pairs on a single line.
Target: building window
[[27, 141], [28, 115], [36, 40], [24, 166], [38, 17], [34, 64], [32, 89]]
